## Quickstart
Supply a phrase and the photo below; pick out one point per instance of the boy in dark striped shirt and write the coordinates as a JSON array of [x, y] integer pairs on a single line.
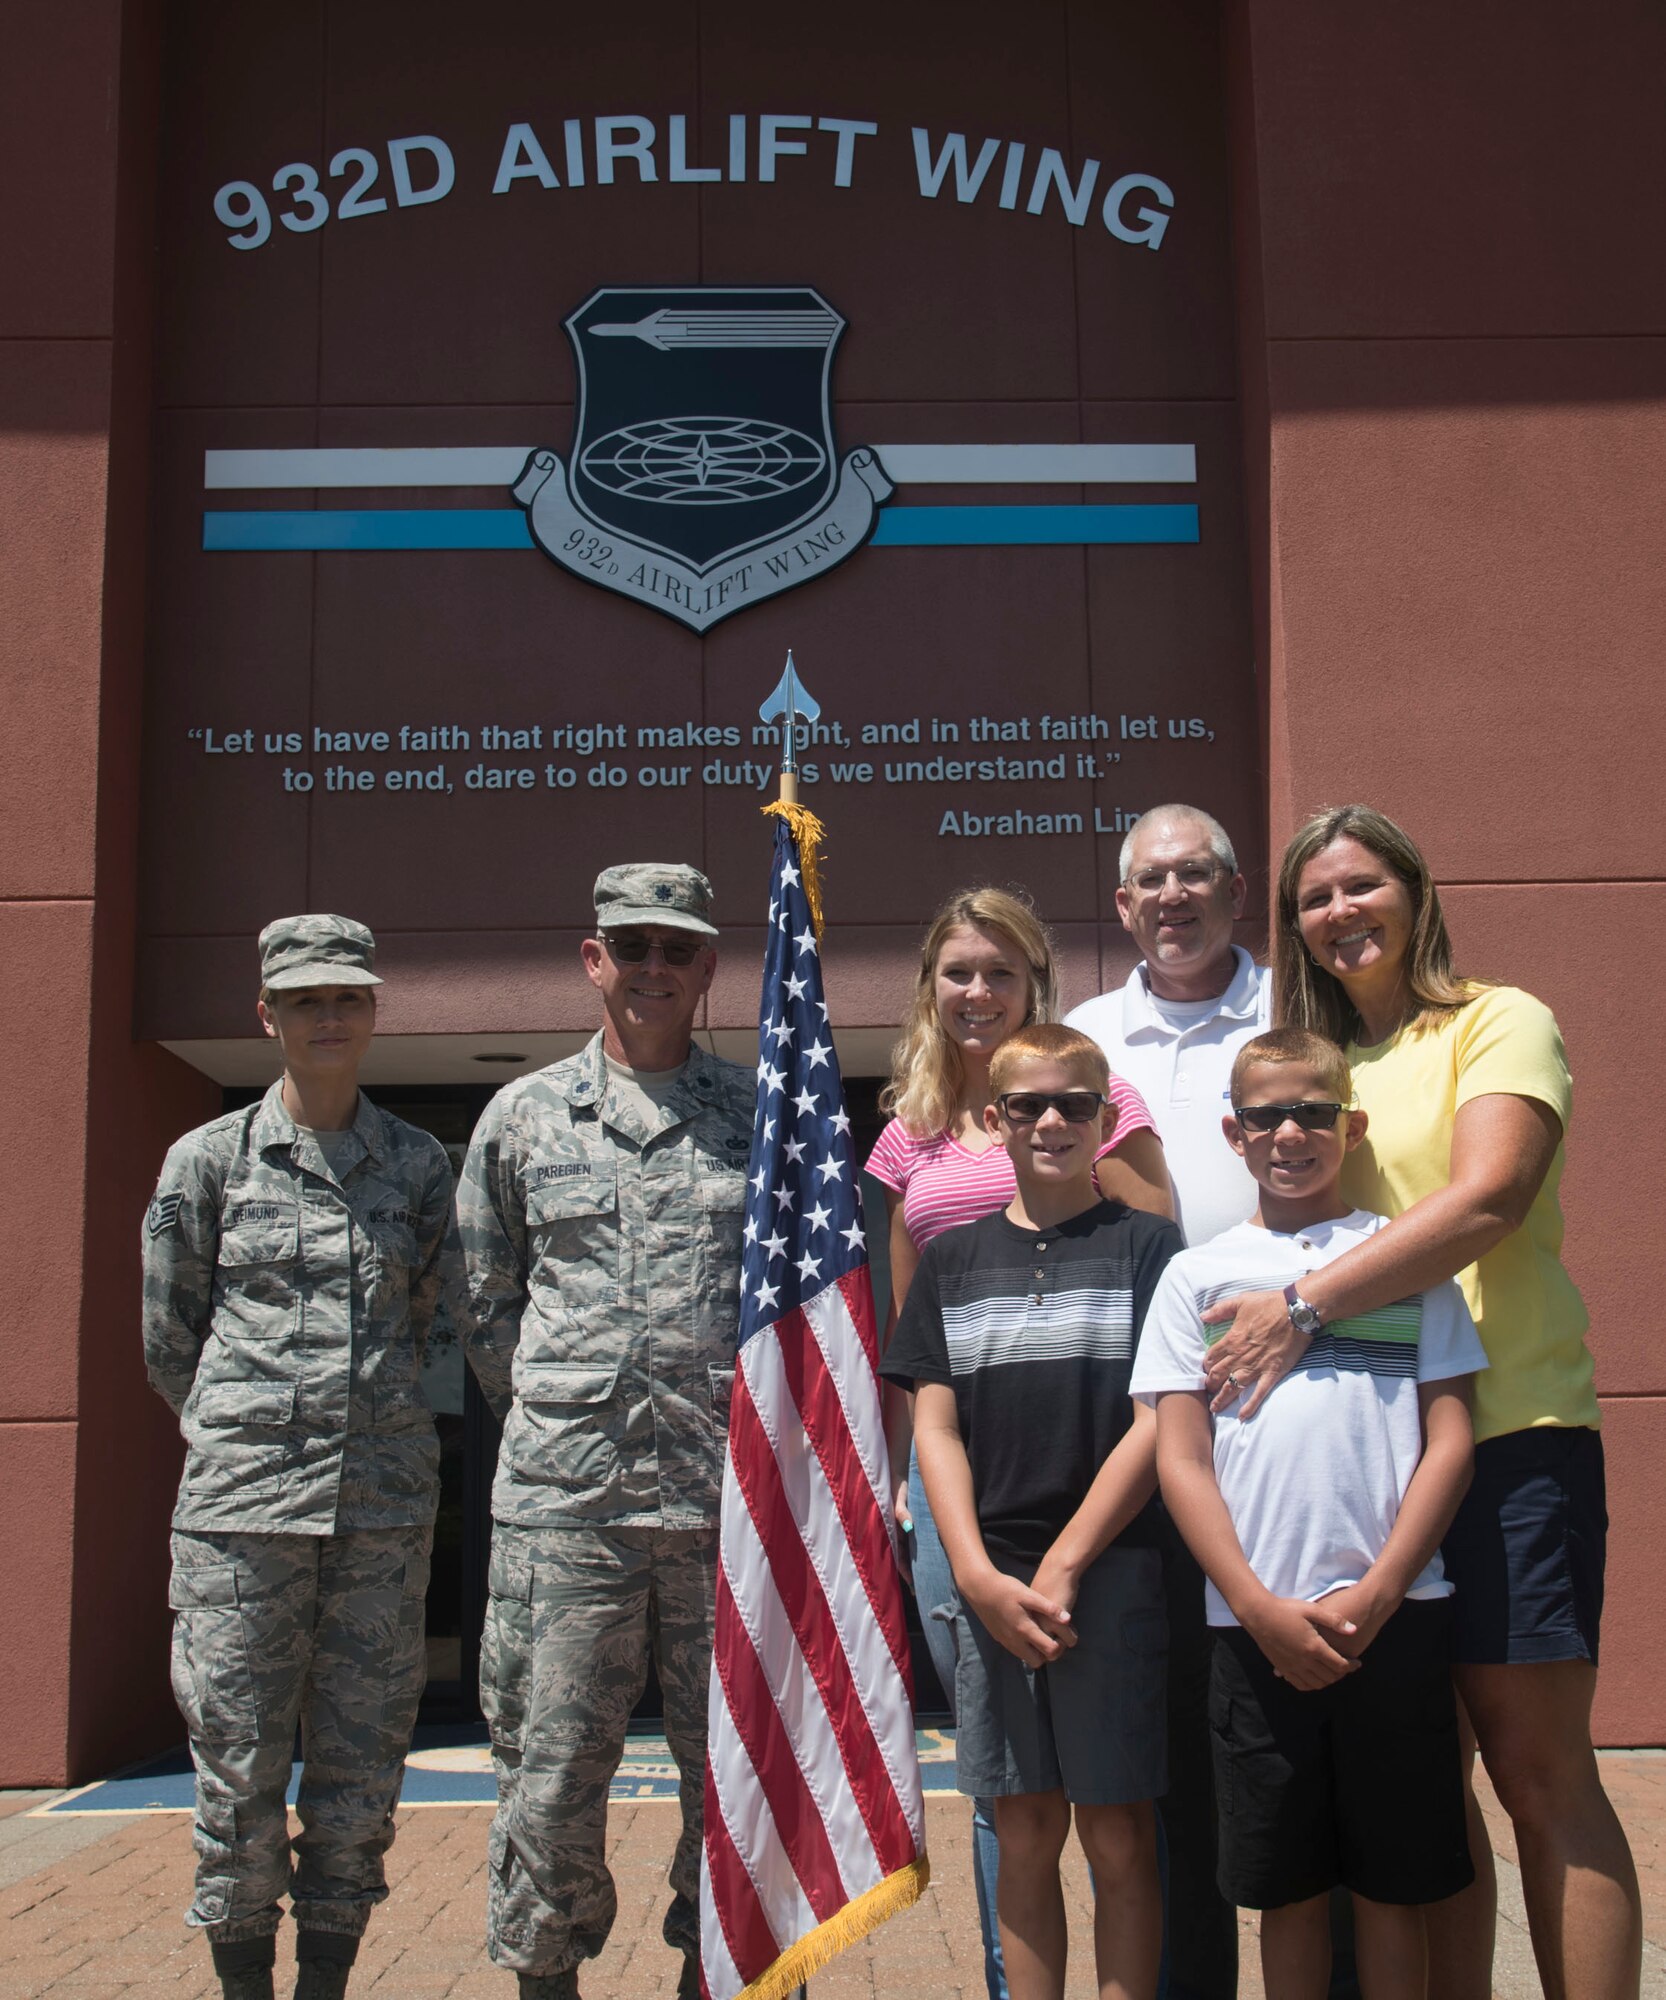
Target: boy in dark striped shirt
[[1317, 1519], [1018, 1337]]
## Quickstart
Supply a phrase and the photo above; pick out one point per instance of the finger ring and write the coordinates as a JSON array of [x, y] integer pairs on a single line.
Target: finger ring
[[1234, 1382]]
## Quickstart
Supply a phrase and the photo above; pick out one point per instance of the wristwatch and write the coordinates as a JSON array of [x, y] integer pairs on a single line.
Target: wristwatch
[[1303, 1317]]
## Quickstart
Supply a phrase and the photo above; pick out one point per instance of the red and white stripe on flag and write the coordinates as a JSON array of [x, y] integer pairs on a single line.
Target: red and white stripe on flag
[[814, 1820]]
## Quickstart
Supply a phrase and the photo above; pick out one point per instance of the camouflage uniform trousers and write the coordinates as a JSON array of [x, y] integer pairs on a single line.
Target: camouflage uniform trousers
[[269, 1630], [573, 1617]]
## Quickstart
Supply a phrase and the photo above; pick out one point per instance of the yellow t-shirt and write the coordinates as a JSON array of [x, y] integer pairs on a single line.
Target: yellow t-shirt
[[1531, 1318]]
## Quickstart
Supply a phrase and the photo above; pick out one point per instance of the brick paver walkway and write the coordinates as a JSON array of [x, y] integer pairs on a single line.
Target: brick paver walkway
[[90, 1909]]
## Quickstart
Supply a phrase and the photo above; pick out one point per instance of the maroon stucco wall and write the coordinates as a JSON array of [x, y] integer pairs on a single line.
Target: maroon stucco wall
[[1453, 296], [87, 1458], [1445, 562]]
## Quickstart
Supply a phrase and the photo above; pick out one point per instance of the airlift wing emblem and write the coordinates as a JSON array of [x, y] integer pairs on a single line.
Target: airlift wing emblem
[[703, 475]]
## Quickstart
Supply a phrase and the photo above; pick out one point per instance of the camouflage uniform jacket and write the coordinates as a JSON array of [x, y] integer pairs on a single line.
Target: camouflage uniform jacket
[[285, 1316], [603, 1262]]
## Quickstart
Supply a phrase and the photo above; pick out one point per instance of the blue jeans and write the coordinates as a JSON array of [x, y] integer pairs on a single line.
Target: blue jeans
[[934, 1589]]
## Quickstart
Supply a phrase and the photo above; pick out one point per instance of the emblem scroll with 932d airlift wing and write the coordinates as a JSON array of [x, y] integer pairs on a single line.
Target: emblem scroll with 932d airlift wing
[[703, 475]]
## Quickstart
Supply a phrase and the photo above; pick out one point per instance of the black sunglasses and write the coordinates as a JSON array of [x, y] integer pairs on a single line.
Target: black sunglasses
[[632, 948], [1269, 1117], [1024, 1107]]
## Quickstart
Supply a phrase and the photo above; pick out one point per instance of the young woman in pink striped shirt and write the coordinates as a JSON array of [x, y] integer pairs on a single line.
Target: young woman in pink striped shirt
[[986, 968]]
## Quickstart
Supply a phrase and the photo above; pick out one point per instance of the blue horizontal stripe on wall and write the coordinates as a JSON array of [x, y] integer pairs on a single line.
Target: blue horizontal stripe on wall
[[505, 527], [368, 528], [1011, 527]]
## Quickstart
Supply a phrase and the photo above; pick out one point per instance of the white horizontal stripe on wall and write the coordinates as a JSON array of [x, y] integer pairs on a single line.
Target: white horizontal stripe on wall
[[908, 464]]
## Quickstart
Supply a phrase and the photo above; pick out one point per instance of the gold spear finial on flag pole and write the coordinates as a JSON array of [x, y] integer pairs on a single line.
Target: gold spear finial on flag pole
[[794, 707]]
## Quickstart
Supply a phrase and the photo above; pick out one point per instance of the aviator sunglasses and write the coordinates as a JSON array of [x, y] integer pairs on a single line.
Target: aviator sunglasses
[[631, 948], [1269, 1117], [1024, 1107]]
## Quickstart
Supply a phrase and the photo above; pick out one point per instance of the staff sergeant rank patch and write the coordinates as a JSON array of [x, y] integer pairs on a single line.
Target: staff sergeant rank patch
[[164, 1212]]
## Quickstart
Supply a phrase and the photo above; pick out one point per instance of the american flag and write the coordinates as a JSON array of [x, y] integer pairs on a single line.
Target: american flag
[[814, 1822]]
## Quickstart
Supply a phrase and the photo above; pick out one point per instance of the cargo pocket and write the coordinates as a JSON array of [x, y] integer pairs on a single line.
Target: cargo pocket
[[214, 1835], [212, 1680], [408, 1669], [723, 1390], [506, 1654]]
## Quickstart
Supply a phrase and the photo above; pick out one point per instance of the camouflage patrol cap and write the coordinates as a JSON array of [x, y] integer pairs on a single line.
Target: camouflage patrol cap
[[316, 951], [669, 893]]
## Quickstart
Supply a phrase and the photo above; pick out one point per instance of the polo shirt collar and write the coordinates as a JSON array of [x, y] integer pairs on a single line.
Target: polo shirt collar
[[1140, 1015]]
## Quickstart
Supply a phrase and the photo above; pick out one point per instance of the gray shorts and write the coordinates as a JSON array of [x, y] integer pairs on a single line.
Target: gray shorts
[[1092, 1723]]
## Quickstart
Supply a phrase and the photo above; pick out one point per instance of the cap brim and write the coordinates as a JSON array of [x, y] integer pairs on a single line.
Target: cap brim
[[322, 973], [622, 915]]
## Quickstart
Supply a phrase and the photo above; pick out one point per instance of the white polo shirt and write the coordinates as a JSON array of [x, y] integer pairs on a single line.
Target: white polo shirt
[[1178, 1055]]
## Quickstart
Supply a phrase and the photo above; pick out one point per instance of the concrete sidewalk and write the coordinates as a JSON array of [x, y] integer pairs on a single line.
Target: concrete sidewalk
[[90, 1908]]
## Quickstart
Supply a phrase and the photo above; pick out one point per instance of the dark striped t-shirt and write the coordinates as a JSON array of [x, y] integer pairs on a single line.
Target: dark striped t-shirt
[[1035, 1331]]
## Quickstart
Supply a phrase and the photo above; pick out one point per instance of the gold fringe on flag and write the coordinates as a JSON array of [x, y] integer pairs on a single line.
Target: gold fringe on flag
[[809, 832], [844, 1928]]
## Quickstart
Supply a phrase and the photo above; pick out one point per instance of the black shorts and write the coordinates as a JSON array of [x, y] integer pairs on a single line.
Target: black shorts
[[1359, 1784], [1527, 1549]]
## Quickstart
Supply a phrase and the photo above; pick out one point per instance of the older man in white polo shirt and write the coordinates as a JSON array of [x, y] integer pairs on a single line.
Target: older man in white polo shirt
[[1187, 1007], [1172, 1031]]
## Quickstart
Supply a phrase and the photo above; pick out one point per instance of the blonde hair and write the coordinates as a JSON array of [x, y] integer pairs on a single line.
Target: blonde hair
[[1048, 1042], [1304, 994], [927, 1074], [1295, 1045]]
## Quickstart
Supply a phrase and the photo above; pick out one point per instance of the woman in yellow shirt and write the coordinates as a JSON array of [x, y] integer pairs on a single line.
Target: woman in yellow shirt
[[1467, 1090]]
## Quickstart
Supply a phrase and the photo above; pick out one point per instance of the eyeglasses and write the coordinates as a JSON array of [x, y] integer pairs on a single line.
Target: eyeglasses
[[631, 948], [1269, 1117], [1192, 875], [1024, 1107]]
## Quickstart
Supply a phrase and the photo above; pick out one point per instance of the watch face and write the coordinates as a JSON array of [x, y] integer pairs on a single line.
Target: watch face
[[1303, 1317]]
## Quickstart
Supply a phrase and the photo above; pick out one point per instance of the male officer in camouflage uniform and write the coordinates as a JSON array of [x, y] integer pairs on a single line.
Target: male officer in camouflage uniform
[[601, 1209], [293, 1255]]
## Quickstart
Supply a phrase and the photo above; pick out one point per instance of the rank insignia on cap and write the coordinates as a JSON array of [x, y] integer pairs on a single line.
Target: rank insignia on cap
[[164, 1212], [662, 892]]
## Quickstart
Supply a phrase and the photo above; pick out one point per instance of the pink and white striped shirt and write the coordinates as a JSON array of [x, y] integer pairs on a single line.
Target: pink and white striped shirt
[[943, 1182]]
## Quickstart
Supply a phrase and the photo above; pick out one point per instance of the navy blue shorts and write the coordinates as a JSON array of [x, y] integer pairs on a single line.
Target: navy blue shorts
[[1526, 1551]]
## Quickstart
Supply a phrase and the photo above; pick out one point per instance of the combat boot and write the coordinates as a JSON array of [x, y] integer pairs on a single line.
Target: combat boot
[[245, 1967], [323, 1959], [549, 1985]]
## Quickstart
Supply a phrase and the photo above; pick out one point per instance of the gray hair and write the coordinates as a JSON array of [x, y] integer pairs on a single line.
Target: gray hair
[[1220, 842]]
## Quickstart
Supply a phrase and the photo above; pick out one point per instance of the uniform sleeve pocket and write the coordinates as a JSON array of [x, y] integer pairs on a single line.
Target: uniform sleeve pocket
[[269, 1404]]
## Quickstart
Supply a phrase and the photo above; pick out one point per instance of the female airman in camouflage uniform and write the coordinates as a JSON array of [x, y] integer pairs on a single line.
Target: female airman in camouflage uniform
[[294, 1253]]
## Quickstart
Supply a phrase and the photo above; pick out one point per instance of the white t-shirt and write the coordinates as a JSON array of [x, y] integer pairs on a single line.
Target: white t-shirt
[[1178, 1055], [1314, 1480]]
